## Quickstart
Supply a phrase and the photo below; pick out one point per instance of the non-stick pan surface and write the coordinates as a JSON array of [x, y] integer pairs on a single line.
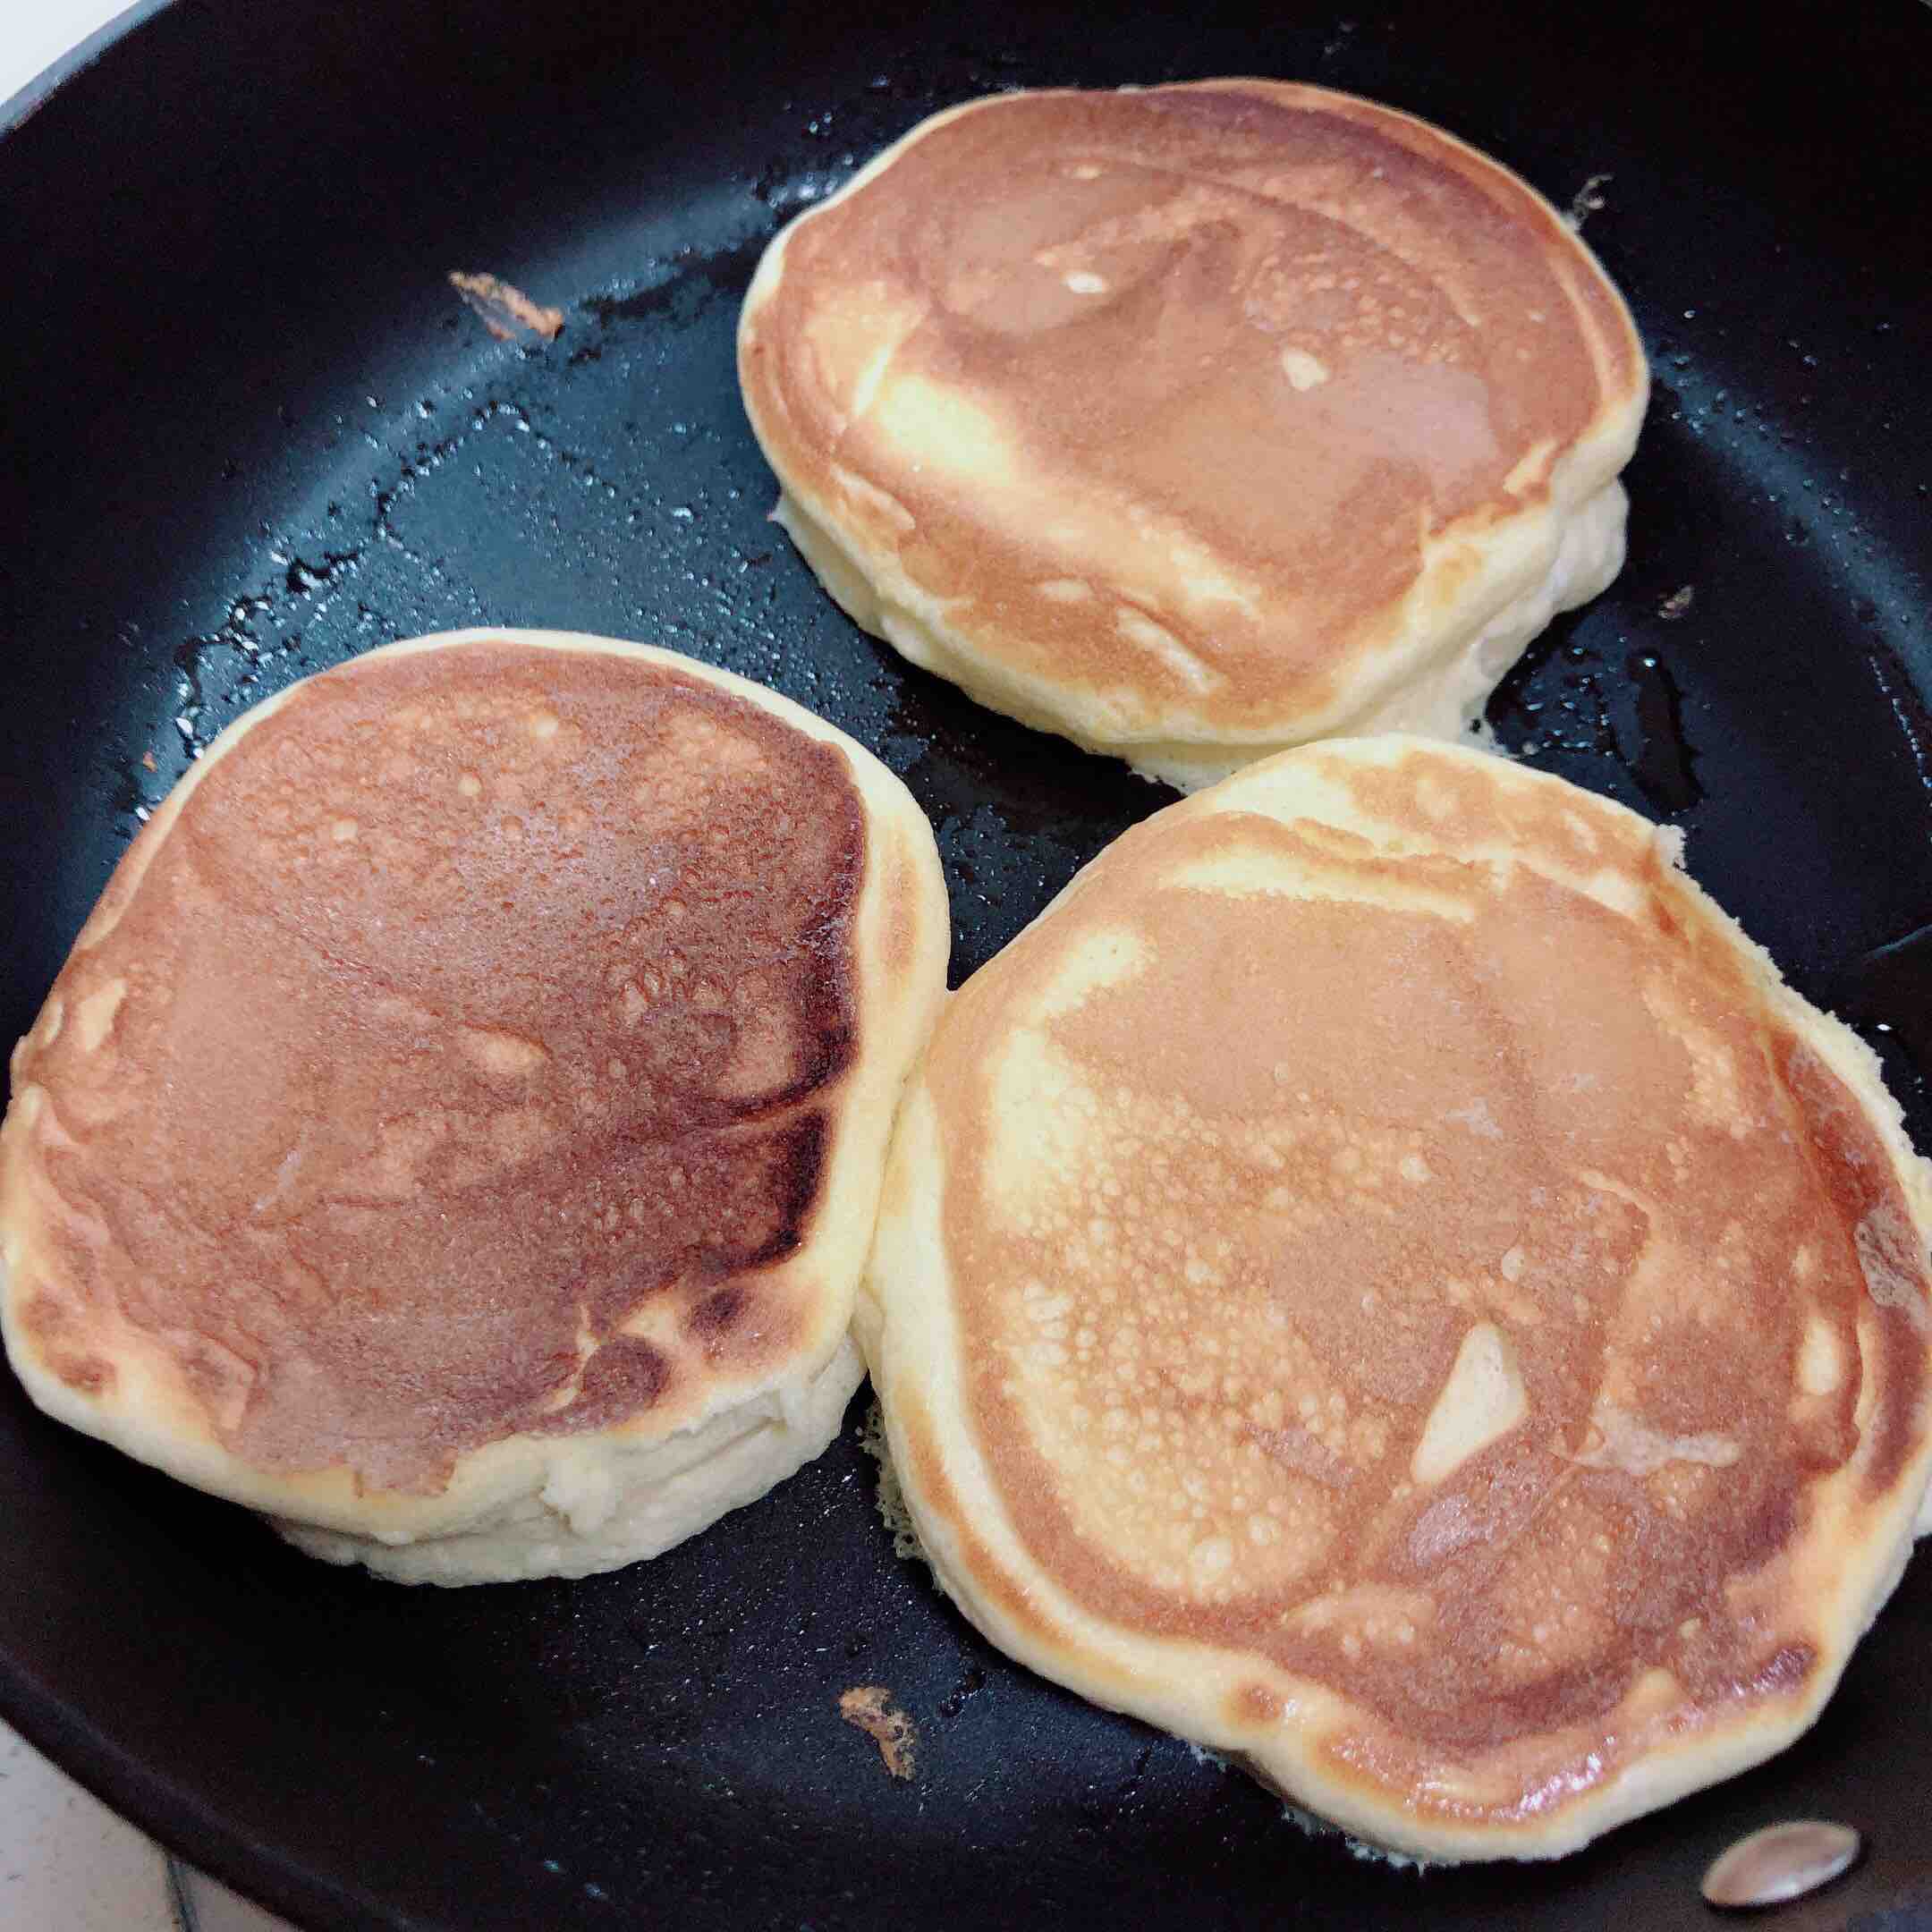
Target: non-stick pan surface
[[250, 431]]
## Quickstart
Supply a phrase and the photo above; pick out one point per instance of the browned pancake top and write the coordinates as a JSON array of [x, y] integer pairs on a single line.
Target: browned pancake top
[[1213, 359], [1225, 1229], [483, 1005]]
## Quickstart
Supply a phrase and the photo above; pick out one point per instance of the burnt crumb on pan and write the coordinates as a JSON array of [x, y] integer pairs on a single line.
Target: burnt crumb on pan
[[506, 311], [1585, 202], [1677, 603], [869, 1708]]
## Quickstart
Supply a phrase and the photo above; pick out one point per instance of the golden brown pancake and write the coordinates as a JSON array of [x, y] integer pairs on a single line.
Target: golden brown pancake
[[458, 1130], [1191, 422], [1383, 1279]]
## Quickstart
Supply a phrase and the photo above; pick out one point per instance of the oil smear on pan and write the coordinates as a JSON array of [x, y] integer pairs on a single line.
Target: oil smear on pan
[[305, 608], [381, 550], [1586, 690], [1665, 761], [1810, 502]]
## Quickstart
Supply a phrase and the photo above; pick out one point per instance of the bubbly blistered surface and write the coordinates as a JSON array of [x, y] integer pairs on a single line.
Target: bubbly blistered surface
[[1441, 1278], [458, 1065], [1162, 392]]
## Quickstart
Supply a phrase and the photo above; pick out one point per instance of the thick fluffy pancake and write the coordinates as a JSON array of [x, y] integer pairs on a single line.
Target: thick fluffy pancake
[[458, 1130], [1383, 1278], [1196, 421]]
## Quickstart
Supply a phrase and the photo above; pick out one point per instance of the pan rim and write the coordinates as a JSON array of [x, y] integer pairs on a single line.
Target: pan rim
[[17, 108], [178, 1822]]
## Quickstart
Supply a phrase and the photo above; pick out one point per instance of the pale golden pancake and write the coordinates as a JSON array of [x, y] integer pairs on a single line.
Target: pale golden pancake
[[1192, 422], [457, 1131], [1384, 1279]]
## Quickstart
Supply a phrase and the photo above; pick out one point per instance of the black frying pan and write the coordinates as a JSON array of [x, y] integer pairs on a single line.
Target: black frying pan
[[250, 431]]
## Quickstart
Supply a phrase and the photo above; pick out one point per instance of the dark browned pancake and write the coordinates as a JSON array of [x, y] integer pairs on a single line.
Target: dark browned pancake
[[484, 1061]]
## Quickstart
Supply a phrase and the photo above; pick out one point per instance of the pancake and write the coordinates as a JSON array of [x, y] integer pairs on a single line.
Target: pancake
[[1382, 1279], [457, 1131], [1194, 422]]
